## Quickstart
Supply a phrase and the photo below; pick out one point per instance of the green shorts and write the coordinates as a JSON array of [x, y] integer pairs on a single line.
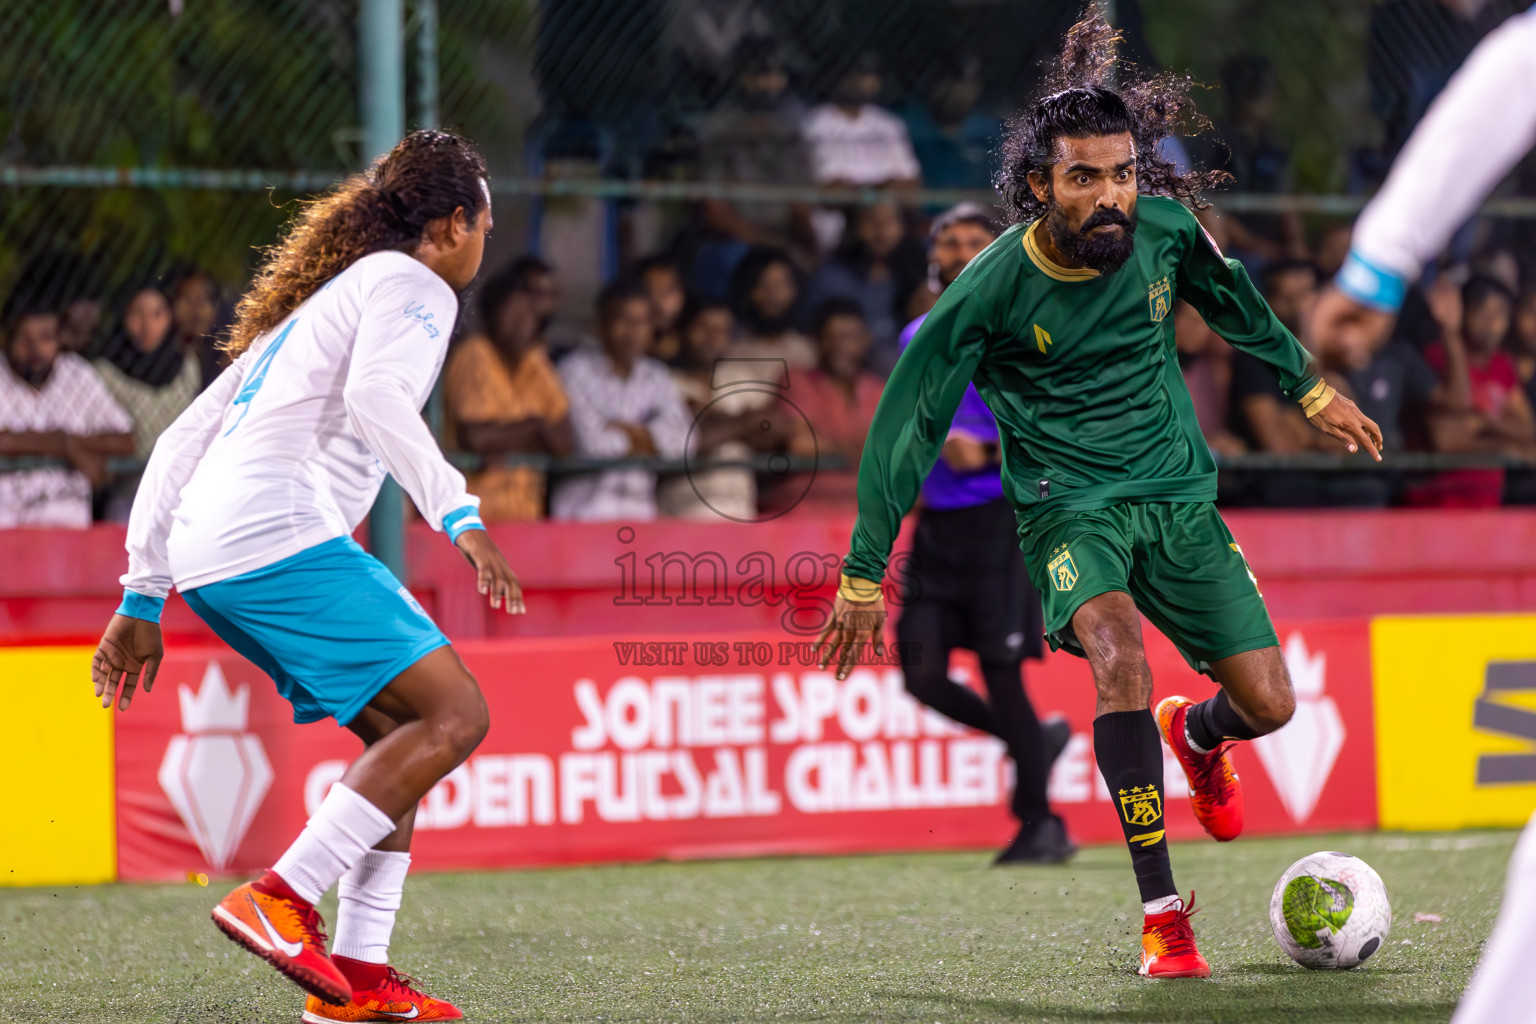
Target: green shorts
[[1177, 561]]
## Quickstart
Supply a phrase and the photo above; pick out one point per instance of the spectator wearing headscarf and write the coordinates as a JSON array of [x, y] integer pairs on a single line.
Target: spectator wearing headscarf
[[150, 375]]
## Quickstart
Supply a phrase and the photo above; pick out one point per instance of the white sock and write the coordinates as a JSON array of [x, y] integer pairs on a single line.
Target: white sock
[[1197, 748], [370, 895], [344, 828], [1162, 906]]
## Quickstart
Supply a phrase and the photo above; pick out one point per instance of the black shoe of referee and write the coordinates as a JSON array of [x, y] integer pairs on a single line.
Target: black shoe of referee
[[1044, 841], [1041, 842]]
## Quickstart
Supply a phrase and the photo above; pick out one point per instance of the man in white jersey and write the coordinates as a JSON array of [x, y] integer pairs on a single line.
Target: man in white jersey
[[1473, 134], [248, 506]]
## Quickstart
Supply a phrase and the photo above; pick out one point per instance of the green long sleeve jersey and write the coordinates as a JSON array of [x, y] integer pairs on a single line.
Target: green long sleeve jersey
[[1080, 370]]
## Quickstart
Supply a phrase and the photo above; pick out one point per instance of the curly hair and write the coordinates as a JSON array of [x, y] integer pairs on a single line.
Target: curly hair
[[428, 175], [1081, 98]]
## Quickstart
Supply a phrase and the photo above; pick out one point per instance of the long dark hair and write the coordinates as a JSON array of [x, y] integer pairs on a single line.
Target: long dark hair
[[428, 175], [744, 279], [1081, 99]]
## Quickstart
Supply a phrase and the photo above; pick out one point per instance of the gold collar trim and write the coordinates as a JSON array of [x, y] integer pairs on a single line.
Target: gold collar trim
[[1054, 271]]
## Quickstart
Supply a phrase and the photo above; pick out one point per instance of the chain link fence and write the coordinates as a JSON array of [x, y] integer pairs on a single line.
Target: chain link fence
[[157, 142], [150, 135]]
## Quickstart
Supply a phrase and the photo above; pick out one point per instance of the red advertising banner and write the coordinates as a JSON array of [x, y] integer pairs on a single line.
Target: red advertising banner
[[636, 749]]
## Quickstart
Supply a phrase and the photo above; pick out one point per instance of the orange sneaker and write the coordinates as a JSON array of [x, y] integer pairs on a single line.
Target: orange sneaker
[[1214, 790], [379, 993], [286, 932], [1168, 945]]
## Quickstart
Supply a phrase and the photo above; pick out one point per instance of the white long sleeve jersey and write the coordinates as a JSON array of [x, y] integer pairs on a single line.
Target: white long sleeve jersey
[[289, 446], [1476, 130]]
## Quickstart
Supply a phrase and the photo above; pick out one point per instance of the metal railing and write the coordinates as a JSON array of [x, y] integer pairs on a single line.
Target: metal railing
[[256, 180], [1248, 462]]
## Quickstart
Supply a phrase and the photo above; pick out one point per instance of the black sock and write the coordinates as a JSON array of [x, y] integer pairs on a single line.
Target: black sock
[[1129, 750], [1212, 722]]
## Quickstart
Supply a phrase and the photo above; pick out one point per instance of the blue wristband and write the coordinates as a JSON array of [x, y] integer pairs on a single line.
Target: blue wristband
[[1371, 285], [141, 606], [461, 520]]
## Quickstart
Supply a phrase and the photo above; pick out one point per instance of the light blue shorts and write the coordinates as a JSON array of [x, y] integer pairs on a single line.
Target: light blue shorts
[[331, 626]]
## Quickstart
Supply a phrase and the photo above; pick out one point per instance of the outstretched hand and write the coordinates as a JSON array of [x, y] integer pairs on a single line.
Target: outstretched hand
[[129, 654], [1342, 418], [1342, 331], [496, 579], [852, 625]]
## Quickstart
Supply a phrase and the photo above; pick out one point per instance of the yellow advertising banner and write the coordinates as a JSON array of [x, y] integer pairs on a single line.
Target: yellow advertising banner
[[1455, 720], [57, 770]]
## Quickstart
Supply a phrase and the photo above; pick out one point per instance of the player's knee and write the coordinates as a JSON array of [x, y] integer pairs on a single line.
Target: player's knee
[[1271, 710], [460, 727], [1123, 666], [1123, 679], [474, 723]]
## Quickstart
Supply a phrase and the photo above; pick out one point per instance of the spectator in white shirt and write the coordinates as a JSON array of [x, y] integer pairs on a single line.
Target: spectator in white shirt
[[53, 405], [854, 142], [623, 403]]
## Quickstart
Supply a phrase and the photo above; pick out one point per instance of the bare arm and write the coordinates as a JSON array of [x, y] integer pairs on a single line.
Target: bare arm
[[746, 427], [86, 453], [532, 434], [57, 444], [1515, 422], [1456, 431]]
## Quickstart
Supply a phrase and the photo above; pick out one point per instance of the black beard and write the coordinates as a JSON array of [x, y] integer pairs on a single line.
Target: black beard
[[1105, 253], [36, 378]]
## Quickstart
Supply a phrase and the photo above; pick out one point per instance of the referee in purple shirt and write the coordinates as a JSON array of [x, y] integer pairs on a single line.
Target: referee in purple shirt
[[968, 586]]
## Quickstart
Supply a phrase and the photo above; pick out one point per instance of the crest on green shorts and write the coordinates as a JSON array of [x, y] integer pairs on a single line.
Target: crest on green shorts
[[1063, 570]]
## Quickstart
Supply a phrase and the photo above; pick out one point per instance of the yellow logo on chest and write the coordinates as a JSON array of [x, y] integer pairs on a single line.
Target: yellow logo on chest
[[1042, 338], [1159, 294]]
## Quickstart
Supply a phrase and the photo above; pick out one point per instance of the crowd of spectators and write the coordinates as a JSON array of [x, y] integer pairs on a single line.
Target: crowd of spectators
[[734, 372], [1454, 377], [79, 388], [754, 402]]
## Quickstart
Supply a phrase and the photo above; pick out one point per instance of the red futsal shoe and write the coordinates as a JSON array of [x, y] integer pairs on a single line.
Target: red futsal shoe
[[286, 932], [1214, 790], [1168, 945], [379, 993]]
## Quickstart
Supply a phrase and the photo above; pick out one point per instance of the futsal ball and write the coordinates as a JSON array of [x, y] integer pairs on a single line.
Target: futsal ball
[[1330, 911]]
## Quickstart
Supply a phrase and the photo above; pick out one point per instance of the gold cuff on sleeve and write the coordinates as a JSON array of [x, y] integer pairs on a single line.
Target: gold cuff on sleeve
[[1314, 393], [1319, 403], [858, 591]]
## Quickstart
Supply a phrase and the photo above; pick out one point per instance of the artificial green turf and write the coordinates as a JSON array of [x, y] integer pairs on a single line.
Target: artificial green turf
[[908, 938]]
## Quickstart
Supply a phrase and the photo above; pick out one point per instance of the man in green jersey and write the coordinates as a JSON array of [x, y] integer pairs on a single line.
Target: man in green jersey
[[1063, 325]]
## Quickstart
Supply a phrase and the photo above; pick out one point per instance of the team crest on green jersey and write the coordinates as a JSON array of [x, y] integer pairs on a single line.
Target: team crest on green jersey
[[1063, 570], [1158, 294]]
